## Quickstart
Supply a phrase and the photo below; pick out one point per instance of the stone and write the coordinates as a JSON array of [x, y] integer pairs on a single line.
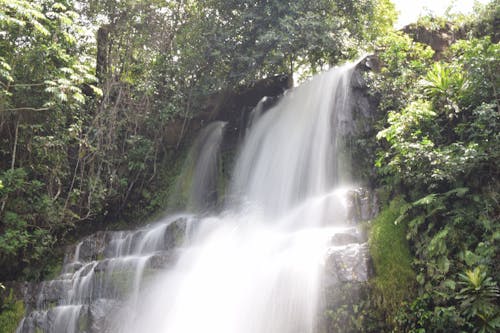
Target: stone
[[90, 248], [362, 205], [51, 292], [175, 233], [100, 313], [162, 260], [348, 263], [345, 239], [438, 39]]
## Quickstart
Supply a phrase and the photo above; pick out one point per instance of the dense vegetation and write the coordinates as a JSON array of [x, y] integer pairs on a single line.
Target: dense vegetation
[[439, 150], [95, 97]]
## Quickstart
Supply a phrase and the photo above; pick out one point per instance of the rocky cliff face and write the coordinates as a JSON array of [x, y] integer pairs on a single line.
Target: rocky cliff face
[[234, 105]]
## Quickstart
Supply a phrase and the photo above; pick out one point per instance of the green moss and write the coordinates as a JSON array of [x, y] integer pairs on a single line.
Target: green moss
[[12, 311], [394, 277], [83, 323], [225, 168]]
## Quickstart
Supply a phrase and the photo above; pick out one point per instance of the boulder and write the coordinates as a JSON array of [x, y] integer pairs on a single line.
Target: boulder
[[348, 263]]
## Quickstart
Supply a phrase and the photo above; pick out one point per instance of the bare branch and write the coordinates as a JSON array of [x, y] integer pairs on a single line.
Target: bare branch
[[25, 109]]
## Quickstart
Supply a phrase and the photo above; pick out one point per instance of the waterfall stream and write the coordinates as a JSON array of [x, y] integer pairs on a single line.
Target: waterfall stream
[[258, 266]]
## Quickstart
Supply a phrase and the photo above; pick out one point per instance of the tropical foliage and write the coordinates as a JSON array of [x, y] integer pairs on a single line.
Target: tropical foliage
[[439, 148]]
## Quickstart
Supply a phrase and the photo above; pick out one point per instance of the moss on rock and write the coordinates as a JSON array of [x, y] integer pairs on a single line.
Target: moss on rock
[[394, 278]]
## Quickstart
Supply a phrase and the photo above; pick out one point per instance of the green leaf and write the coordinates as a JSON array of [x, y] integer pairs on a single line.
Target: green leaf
[[443, 264], [459, 192], [427, 200], [450, 284], [470, 258], [79, 97], [421, 279]]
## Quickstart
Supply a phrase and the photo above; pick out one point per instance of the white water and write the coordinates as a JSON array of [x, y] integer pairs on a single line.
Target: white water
[[290, 153], [257, 267]]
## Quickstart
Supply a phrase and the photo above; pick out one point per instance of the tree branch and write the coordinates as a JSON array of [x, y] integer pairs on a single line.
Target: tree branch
[[25, 109]]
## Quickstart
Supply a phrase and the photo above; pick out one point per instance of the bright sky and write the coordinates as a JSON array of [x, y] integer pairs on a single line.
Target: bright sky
[[410, 10]]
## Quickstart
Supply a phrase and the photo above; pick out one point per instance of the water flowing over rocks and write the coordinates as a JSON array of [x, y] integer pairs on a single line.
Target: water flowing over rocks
[[100, 271], [287, 243], [98, 274]]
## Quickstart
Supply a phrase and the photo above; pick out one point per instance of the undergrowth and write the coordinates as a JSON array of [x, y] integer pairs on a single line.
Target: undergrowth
[[394, 278]]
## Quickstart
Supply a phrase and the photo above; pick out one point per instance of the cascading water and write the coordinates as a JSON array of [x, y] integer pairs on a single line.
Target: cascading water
[[257, 267], [290, 153], [196, 187]]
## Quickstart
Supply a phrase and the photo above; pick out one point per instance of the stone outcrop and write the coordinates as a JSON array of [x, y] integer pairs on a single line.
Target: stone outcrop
[[348, 258], [348, 263], [439, 39]]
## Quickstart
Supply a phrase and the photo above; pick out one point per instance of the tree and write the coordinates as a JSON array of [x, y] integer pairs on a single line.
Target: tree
[[44, 68]]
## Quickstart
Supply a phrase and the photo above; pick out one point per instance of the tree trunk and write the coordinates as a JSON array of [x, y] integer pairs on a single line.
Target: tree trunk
[[102, 61]]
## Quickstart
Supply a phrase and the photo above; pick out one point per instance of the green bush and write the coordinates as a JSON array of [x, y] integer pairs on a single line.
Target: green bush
[[12, 311], [478, 299]]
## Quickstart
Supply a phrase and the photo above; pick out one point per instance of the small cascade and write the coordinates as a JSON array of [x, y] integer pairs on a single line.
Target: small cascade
[[287, 233], [101, 272], [196, 187]]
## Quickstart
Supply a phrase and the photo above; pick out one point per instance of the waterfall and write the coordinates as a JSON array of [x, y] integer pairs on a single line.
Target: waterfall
[[290, 153], [259, 265], [196, 186]]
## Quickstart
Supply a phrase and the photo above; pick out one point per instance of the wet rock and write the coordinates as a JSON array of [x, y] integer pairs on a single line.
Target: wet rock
[[349, 263], [36, 321], [102, 266], [175, 233], [162, 260], [100, 313], [51, 292], [232, 105], [362, 205], [345, 238], [364, 112], [72, 267], [90, 248]]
